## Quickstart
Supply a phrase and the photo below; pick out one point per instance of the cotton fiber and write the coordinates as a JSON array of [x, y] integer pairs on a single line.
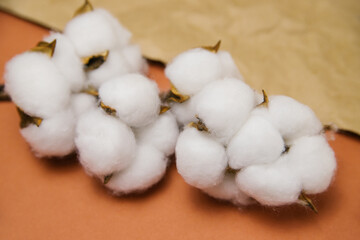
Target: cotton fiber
[[270, 184], [91, 33], [134, 97], [82, 103], [192, 70], [224, 106], [184, 112], [293, 119], [228, 65], [35, 84], [148, 167], [115, 65], [200, 159], [67, 61], [228, 190], [136, 63], [54, 137], [257, 142], [161, 134], [105, 144], [313, 161]]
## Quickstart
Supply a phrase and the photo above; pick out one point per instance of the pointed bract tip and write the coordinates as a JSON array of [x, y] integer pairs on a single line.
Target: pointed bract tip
[[213, 49], [86, 7]]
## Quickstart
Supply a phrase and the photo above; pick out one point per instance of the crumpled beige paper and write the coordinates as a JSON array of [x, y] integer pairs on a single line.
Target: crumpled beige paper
[[309, 50]]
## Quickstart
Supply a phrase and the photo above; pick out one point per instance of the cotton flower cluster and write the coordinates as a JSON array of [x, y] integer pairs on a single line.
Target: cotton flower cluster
[[239, 146], [84, 90]]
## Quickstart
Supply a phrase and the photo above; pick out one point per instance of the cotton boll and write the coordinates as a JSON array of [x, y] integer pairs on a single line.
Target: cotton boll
[[123, 35], [91, 33], [224, 106], [227, 190], [200, 160], [115, 65], [35, 84], [67, 61], [105, 144], [54, 137], [270, 184], [82, 103], [192, 70], [313, 161], [229, 67], [184, 112], [132, 54], [135, 98], [293, 119], [148, 167], [257, 142], [162, 133]]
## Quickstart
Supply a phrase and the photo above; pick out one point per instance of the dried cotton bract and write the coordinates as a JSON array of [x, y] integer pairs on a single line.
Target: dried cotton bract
[[240, 146]]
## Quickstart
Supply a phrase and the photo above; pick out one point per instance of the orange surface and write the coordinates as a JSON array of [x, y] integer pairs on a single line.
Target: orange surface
[[55, 199]]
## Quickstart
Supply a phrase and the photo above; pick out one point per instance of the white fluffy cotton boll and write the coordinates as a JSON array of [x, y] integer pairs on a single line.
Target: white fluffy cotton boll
[[148, 167], [257, 142], [132, 54], [67, 61], [270, 184], [35, 84], [91, 33], [162, 133], [115, 65], [134, 97], [82, 103], [184, 112], [54, 137], [229, 67], [105, 144], [200, 159], [224, 106], [228, 190], [313, 161], [190, 71], [293, 119], [123, 35]]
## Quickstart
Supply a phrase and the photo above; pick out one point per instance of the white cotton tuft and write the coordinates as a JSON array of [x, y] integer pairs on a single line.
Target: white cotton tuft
[[133, 56], [82, 103], [161, 134], [91, 33], [184, 112], [257, 142], [54, 137], [35, 84], [105, 144], [293, 119], [190, 71], [224, 106], [228, 190], [313, 161], [115, 65], [229, 67], [67, 61], [134, 97], [200, 160], [148, 167], [123, 35], [270, 184]]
